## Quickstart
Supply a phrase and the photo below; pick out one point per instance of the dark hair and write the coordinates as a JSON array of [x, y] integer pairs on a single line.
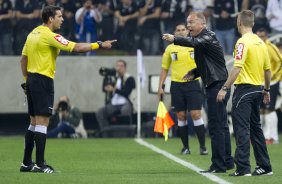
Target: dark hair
[[84, 1], [122, 61], [247, 18], [49, 11], [262, 29], [180, 24]]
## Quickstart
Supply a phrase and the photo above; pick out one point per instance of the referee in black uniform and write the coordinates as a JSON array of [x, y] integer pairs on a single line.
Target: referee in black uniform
[[251, 69]]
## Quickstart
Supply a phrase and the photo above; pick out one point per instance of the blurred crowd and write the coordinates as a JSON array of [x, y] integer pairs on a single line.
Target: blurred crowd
[[135, 23]]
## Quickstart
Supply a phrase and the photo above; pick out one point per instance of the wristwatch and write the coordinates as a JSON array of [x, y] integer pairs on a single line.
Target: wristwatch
[[266, 90], [225, 88], [100, 44]]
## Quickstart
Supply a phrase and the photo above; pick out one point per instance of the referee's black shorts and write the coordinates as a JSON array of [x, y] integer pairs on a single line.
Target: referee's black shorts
[[40, 95], [274, 93], [186, 96]]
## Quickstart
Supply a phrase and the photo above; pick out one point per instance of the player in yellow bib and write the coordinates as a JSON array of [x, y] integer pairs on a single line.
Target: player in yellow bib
[[38, 63], [185, 95], [251, 69]]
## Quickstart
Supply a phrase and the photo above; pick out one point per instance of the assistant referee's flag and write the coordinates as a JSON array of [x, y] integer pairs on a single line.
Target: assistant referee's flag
[[163, 121]]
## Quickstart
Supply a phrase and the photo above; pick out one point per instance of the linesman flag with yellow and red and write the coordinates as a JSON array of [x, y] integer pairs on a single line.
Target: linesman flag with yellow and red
[[163, 121]]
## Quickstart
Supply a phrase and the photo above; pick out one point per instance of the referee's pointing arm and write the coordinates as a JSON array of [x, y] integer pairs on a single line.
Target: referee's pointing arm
[[59, 42], [85, 47]]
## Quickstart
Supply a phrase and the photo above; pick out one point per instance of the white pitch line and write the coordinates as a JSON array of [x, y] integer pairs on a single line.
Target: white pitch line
[[181, 162]]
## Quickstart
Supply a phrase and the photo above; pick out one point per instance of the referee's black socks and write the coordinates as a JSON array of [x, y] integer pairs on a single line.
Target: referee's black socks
[[29, 144], [200, 130], [183, 133], [40, 142]]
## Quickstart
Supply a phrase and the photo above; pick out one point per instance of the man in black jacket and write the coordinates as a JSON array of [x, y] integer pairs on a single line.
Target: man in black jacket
[[211, 67], [120, 103]]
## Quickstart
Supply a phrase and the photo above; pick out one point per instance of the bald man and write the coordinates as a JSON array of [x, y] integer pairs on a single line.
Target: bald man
[[211, 68]]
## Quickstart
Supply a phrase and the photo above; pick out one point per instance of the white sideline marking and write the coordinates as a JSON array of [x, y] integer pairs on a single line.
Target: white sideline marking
[[181, 162]]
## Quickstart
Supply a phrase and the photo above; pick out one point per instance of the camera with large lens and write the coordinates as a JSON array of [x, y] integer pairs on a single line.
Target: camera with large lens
[[107, 71], [109, 79], [63, 106]]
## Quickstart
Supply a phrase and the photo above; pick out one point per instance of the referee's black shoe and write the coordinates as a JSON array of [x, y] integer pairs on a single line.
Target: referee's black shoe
[[43, 169], [259, 171], [203, 151], [213, 170], [185, 151], [26, 168], [240, 174]]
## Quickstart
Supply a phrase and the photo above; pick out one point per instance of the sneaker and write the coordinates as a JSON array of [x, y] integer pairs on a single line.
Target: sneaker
[[26, 168], [203, 151], [44, 169], [259, 171], [185, 151], [240, 174]]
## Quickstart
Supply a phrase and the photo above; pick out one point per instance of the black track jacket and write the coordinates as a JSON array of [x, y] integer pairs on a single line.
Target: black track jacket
[[209, 56]]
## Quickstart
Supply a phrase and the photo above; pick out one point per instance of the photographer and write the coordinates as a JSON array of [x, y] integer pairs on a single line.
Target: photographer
[[68, 119], [119, 103]]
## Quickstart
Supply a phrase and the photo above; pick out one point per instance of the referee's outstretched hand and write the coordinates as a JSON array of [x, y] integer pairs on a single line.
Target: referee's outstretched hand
[[108, 44]]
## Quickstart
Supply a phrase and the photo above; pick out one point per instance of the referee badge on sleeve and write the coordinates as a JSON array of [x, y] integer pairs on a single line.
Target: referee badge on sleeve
[[239, 51], [173, 56], [61, 40]]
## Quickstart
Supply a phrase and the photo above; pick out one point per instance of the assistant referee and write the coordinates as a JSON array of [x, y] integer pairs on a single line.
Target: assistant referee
[[251, 69], [38, 64], [185, 95]]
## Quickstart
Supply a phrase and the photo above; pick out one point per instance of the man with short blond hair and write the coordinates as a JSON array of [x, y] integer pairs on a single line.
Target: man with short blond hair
[[251, 69]]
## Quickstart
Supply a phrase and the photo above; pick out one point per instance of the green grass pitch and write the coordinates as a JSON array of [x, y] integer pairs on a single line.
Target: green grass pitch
[[119, 161]]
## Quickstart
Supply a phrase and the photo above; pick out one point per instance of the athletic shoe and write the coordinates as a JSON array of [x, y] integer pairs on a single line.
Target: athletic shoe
[[185, 151], [259, 171], [212, 170], [26, 168], [44, 169], [240, 174], [203, 151]]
